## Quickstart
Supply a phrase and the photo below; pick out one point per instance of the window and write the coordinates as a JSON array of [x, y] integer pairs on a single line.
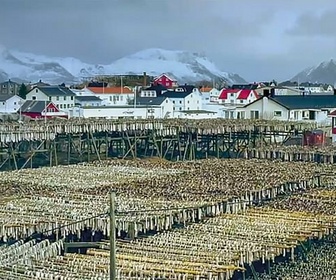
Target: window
[[180, 102], [254, 114], [33, 97], [71, 98], [36, 90], [57, 98], [64, 98], [180, 108], [173, 101], [121, 98], [231, 94], [166, 100], [173, 108], [49, 98], [277, 113], [241, 101], [14, 103], [3, 103], [188, 101], [188, 108], [61, 106]]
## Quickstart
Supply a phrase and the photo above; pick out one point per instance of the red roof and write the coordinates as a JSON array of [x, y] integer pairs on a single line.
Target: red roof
[[333, 113], [224, 93], [245, 93]]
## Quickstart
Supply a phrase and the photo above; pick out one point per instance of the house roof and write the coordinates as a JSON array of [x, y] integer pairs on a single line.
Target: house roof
[[33, 106], [170, 77], [39, 84], [5, 97], [87, 98], [224, 93], [187, 88], [151, 101], [55, 90], [158, 88], [245, 93], [333, 113], [205, 89], [293, 102], [176, 94], [9, 82], [307, 101], [110, 90]]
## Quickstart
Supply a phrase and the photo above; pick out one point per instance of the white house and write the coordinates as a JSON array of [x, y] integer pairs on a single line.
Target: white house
[[237, 96], [294, 108], [283, 90], [62, 97], [10, 103], [163, 102], [184, 98], [113, 96], [117, 112], [214, 95]]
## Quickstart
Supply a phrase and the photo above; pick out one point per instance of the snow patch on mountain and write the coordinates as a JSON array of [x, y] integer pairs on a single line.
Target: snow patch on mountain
[[185, 66]]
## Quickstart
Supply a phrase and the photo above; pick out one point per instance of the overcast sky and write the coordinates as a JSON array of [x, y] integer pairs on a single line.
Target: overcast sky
[[259, 39]]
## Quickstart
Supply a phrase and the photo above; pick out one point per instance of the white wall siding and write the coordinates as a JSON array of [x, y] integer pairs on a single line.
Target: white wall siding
[[116, 113], [11, 105]]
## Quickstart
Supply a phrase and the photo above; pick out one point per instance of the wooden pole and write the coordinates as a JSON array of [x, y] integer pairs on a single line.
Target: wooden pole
[[112, 237]]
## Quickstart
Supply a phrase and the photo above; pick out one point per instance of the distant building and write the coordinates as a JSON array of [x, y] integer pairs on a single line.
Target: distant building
[[113, 96], [184, 98], [293, 108], [62, 97], [41, 109], [163, 102], [237, 96], [165, 80], [10, 103], [87, 101], [153, 91], [9, 88]]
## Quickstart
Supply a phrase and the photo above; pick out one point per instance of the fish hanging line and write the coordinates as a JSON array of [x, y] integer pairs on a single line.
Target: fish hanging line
[[117, 214]]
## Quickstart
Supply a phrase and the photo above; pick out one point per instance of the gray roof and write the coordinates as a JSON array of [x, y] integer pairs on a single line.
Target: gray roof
[[87, 98], [55, 91], [176, 94], [298, 102], [150, 100], [5, 97], [9, 82], [33, 106], [307, 101]]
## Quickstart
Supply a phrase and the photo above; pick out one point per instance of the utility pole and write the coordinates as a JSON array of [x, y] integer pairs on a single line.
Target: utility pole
[[112, 237]]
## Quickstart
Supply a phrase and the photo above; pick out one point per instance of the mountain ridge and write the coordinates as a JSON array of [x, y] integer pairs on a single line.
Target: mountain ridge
[[185, 66], [322, 73]]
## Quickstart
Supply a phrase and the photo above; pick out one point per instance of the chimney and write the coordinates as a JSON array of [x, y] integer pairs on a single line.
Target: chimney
[[144, 79]]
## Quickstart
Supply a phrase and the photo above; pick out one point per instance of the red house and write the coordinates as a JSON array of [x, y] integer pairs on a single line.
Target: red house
[[166, 81], [41, 109]]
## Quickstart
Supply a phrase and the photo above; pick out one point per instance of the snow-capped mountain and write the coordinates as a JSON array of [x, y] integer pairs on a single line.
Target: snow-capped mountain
[[324, 73], [185, 66]]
